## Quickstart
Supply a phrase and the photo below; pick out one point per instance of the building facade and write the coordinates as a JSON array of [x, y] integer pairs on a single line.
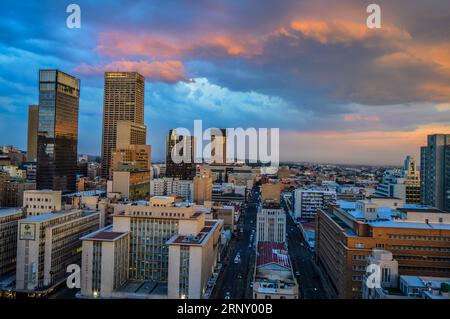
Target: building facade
[[9, 219], [33, 124], [58, 131], [435, 171], [123, 101], [271, 223]]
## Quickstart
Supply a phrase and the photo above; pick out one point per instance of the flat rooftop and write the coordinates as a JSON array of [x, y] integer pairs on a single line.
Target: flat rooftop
[[105, 234], [400, 224], [9, 210]]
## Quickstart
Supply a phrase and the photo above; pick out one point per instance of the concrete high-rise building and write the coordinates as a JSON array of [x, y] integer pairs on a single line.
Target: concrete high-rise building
[[58, 131], [203, 186], [435, 171], [307, 201], [180, 156], [132, 153], [33, 124], [123, 101]]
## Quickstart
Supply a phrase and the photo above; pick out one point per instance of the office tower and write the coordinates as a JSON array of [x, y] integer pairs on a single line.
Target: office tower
[[33, 123], [47, 244], [203, 186], [219, 146], [138, 154], [58, 131], [180, 152], [346, 235], [435, 171], [123, 101], [9, 218]]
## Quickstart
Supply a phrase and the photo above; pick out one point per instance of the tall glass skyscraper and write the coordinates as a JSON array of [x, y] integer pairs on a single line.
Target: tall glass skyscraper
[[58, 131]]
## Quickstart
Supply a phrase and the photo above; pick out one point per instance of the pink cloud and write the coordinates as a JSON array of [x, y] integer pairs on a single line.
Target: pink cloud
[[165, 71], [361, 118]]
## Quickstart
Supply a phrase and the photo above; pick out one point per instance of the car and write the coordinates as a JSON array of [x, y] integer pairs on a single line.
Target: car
[[297, 273], [239, 276], [227, 295], [251, 285]]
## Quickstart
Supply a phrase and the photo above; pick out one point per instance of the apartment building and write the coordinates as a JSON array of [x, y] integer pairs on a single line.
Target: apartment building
[[171, 186]]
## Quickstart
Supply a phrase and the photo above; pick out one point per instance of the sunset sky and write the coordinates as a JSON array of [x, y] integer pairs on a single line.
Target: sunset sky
[[338, 91]]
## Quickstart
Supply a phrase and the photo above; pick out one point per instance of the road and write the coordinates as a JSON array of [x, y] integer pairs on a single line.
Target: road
[[303, 263], [237, 277]]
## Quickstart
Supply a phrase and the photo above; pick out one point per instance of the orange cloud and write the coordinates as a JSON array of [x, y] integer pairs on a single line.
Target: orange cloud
[[165, 71], [344, 31], [157, 46]]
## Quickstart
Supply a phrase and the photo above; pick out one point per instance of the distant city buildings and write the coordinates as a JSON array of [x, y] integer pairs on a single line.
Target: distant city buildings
[[58, 131], [203, 186], [435, 171], [401, 183], [180, 156], [307, 201]]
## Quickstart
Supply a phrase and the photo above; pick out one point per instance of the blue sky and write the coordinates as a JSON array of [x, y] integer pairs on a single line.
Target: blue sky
[[338, 91]]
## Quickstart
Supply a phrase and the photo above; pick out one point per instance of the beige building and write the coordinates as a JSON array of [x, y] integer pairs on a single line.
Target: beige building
[[123, 101], [273, 277], [203, 186], [105, 262], [271, 192], [131, 153], [271, 223], [37, 202], [133, 184], [33, 123], [9, 218], [47, 244], [156, 232]]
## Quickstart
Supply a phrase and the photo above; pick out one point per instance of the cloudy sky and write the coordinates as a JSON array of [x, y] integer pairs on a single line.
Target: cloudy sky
[[338, 91]]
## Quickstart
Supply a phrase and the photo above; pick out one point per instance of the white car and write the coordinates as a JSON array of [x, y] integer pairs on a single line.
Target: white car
[[227, 295]]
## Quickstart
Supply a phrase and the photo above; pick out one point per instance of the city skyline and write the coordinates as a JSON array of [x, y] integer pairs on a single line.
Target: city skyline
[[275, 65]]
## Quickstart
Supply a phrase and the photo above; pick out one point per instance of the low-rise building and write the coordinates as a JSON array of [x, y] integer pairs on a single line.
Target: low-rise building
[[273, 277], [37, 202]]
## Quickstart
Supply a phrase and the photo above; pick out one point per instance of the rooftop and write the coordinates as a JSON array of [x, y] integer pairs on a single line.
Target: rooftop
[[9, 211], [105, 234], [270, 252], [401, 224]]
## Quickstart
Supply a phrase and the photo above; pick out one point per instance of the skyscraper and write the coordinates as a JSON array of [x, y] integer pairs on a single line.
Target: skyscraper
[[184, 147], [33, 123], [435, 171], [58, 131], [123, 101]]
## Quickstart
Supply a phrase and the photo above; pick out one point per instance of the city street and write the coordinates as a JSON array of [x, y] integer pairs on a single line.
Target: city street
[[236, 278], [302, 261]]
